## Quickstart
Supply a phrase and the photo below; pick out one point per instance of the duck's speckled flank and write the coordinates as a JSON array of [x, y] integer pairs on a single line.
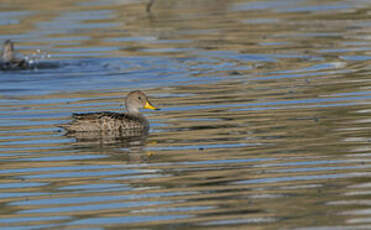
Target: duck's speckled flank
[[102, 121]]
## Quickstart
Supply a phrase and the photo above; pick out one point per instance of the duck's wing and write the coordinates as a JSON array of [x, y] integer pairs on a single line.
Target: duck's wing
[[104, 121]]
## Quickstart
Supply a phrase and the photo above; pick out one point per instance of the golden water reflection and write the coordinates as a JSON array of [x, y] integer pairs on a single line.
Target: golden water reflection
[[265, 119]]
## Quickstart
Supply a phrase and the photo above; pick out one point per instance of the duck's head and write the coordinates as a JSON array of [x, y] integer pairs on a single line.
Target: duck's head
[[8, 51], [137, 100]]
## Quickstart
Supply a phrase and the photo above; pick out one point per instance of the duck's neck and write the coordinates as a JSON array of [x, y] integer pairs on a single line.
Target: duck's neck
[[7, 54], [133, 111]]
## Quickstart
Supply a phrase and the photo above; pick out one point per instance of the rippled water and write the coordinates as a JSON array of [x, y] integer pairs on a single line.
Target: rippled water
[[265, 120]]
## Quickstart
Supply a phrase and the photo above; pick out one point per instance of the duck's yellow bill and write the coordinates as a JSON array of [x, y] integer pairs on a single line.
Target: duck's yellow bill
[[149, 106]]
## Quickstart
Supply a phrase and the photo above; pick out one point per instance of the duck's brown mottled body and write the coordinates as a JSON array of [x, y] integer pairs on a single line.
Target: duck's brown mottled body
[[92, 122], [111, 121]]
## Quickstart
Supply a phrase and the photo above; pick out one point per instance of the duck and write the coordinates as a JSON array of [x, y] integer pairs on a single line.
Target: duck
[[8, 58], [132, 120]]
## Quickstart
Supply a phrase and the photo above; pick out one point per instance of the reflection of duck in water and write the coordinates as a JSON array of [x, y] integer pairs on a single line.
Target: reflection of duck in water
[[8, 58], [131, 123]]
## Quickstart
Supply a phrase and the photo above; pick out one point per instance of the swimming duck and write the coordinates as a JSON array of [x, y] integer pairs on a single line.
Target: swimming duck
[[8, 59], [111, 121]]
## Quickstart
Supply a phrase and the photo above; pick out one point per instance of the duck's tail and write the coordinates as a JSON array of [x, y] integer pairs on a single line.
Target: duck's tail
[[68, 127]]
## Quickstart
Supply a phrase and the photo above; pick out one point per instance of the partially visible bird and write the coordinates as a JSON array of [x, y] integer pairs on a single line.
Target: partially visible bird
[[8, 58]]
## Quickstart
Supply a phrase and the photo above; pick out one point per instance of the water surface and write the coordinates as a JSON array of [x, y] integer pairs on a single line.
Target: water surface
[[265, 120]]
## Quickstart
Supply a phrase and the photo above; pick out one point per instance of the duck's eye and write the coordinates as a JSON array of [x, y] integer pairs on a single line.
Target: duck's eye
[[140, 98]]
